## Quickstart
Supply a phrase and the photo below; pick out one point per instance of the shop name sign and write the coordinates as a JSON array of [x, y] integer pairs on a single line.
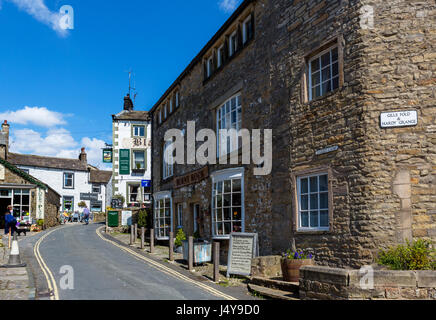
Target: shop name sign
[[191, 178], [399, 119], [89, 196], [243, 247]]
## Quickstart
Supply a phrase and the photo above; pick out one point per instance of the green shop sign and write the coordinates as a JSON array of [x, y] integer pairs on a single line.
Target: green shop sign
[[124, 161], [107, 155]]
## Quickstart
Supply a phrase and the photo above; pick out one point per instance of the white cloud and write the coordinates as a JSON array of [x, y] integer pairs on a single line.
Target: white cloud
[[38, 10], [57, 142], [228, 5], [35, 115]]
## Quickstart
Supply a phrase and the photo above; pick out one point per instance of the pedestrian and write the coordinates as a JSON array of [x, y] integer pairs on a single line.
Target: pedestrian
[[10, 221], [86, 215]]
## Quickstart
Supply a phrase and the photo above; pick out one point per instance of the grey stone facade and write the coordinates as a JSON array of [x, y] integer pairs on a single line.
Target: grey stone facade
[[381, 182]]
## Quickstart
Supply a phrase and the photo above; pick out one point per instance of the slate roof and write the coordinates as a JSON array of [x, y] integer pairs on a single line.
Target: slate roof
[[132, 115], [100, 176], [47, 162]]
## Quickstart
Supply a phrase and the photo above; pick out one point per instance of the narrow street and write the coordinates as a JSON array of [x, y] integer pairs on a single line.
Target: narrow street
[[101, 270]]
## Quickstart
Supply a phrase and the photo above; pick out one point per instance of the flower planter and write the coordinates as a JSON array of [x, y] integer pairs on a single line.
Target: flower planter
[[291, 268]]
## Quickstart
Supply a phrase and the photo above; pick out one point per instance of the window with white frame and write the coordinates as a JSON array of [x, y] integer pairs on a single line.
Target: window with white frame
[[134, 194], [177, 99], [138, 131], [138, 160], [96, 188], [220, 56], [162, 217], [247, 30], [171, 105], [313, 202], [323, 73], [228, 117], [228, 202], [209, 64], [167, 161], [233, 43], [68, 203], [180, 215], [68, 180], [21, 202]]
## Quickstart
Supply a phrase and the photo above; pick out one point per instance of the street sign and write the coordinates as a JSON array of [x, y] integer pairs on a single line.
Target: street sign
[[124, 161], [399, 119], [146, 183], [243, 247], [89, 196]]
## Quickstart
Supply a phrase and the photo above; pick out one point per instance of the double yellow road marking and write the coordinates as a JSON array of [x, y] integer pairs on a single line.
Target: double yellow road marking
[[167, 270], [47, 273]]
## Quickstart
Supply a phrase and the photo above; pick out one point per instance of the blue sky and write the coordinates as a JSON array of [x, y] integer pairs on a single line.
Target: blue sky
[[58, 89]]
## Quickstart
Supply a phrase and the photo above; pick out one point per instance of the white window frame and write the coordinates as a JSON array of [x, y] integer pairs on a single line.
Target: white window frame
[[171, 105], [245, 30], [134, 159], [209, 63], [64, 185], [21, 204], [220, 52], [129, 193], [156, 213], [321, 80], [139, 133], [180, 215], [167, 169], [233, 45], [221, 176], [223, 115], [319, 209]]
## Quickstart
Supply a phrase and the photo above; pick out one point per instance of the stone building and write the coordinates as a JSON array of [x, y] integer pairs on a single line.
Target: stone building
[[131, 155], [324, 76], [27, 195]]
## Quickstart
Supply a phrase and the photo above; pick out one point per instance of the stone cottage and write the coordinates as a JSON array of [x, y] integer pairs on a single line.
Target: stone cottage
[[347, 88], [27, 195]]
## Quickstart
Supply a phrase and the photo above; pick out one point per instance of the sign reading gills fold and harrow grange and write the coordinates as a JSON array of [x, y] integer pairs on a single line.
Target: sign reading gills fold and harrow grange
[[399, 119], [243, 247]]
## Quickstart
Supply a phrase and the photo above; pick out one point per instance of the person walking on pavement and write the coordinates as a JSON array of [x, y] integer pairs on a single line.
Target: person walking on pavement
[[86, 215], [10, 221]]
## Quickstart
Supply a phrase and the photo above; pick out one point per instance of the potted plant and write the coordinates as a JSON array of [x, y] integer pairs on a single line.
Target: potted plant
[[291, 263], [178, 244]]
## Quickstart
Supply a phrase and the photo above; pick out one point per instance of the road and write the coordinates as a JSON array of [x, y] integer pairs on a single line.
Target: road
[[101, 271]]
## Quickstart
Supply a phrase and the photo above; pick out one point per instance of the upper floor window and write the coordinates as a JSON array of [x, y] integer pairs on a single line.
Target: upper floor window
[[323, 73], [177, 99], [96, 188], [68, 180], [138, 160], [165, 111], [171, 105], [138, 131], [220, 55], [209, 67], [160, 116], [233, 44], [313, 202], [168, 168], [228, 117], [180, 215], [247, 30]]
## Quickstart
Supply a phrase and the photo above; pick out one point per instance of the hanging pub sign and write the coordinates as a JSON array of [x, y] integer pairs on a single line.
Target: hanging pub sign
[[242, 249], [396, 119], [107, 155], [124, 161]]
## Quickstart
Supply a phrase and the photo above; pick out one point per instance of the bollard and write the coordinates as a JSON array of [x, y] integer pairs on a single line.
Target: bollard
[[191, 253], [216, 261], [131, 234], [135, 233], [14, 255], [151, 240], [171, 246], [142, 237]]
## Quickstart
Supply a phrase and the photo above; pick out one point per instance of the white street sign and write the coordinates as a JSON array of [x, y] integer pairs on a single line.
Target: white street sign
[[399, 119]]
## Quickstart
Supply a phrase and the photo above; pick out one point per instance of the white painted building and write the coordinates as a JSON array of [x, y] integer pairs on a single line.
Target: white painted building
[[73, 179], [132, 155]]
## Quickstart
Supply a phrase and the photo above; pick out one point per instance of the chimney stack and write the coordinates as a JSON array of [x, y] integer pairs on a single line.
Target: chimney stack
[[4, 140], [128, 104], [82, 156]]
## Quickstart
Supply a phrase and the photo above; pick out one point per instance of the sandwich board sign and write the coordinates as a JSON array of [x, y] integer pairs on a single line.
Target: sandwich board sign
[[243, 247]]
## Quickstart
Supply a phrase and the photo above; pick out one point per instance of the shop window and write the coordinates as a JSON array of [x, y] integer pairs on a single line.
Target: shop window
[[96, 207], [323, 73], [313, 202], [227, 203], [134, 194], [229, 116], [21, 202], [68, 180], [68, 204], [162, 217]]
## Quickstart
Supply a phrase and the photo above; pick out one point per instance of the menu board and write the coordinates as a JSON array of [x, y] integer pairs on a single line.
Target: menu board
[[243, 248], [126, 218]]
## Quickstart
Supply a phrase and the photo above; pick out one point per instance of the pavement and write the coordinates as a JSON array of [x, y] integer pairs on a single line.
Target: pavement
[[77, 263]]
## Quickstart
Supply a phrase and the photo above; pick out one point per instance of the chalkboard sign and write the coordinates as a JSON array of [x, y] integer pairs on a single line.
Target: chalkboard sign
[[117, 203], [243, 248]]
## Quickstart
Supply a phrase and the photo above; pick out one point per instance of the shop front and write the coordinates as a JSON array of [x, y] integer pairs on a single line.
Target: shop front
[[19, 197]]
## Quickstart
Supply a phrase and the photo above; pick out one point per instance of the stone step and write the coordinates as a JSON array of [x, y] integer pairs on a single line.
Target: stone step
[[290, 287], [272, 293]]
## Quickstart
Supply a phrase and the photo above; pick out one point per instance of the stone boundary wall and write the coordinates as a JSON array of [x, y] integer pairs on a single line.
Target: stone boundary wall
[[325, 283], [266, 267]]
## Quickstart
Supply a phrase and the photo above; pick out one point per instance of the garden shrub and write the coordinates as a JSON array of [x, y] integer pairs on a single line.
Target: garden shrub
[[179, 238], [143, 218], [416, 256]]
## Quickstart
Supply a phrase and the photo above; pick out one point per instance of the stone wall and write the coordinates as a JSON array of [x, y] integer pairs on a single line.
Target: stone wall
[[266, 267], [324, 283], [52, 205]]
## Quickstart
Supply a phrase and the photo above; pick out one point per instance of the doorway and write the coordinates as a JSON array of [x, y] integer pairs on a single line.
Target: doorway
[[4, 203]]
